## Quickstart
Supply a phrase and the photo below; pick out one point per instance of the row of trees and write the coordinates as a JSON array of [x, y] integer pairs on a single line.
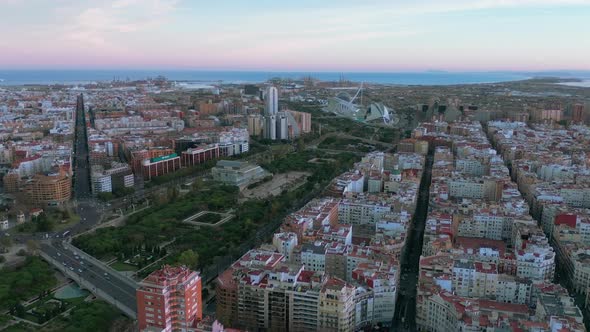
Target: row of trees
[[182, 173], [118, 193], [46, 221], [40, 223], [254, 220], [154, 250]]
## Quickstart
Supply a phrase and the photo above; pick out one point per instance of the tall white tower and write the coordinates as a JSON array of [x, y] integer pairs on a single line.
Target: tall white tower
[[282, 126], [272, 101], [270, 127]]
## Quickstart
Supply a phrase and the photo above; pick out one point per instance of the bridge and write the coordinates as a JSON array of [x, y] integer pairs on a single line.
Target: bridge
[[93, 275]]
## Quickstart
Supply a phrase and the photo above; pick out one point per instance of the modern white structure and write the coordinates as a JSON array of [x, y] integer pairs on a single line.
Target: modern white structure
[[282, 126], [379, 113], [272, 101], [285, 243], [270, 127], [237, 173]]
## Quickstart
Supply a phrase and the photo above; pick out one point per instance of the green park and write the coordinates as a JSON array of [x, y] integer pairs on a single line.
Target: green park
[[210, 248]]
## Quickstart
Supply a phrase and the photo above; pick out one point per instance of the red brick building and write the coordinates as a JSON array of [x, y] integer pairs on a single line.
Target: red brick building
[[170, 299], [199, 155], [137, 157], [159, 166]]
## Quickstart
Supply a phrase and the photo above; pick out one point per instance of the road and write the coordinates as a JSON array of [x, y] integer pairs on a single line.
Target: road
[[405, 309], [100, 276], [89, 210], [82, 189]]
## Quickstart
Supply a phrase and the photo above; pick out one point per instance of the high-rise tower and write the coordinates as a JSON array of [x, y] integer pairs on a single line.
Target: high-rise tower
[[272, 101]]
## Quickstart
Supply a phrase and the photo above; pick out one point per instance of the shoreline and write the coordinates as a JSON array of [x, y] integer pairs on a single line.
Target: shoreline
[[82, 77]]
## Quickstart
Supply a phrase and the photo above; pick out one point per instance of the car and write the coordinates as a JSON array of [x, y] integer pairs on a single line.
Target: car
[[64, 263], [81, 262], [58, 254], [80, 270], [106, 274], [71, 268]]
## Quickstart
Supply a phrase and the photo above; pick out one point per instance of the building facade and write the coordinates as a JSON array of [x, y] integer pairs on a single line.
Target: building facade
[[237, 173], [159, 166], [169, 299], [50, 189]]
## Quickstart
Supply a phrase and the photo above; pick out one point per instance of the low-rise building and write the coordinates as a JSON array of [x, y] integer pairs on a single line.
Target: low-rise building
[[237, 173]]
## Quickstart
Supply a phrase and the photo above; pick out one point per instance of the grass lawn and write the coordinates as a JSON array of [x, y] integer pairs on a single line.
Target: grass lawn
[[31, 317], [74, 219], [40, 303], [209, 218], [4, 319], [20, 327], [120, 266], [74, 301]]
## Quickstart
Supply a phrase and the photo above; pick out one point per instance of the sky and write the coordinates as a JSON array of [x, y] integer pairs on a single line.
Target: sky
[[302, 35]]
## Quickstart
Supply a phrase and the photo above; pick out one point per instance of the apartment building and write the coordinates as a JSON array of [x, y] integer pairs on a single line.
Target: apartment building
[[169, 299], [49, 189], [195, 156], [485, 262], [159, 166], [365, 208], [275, 296]]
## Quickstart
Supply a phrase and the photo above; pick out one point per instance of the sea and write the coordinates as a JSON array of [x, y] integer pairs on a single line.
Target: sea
[[33, 77], [580, 84]]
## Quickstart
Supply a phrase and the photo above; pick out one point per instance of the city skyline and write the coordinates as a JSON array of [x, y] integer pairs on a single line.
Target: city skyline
[[458, 35]]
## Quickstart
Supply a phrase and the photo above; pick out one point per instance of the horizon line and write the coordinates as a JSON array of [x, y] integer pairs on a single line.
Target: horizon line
[[431, 71]]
